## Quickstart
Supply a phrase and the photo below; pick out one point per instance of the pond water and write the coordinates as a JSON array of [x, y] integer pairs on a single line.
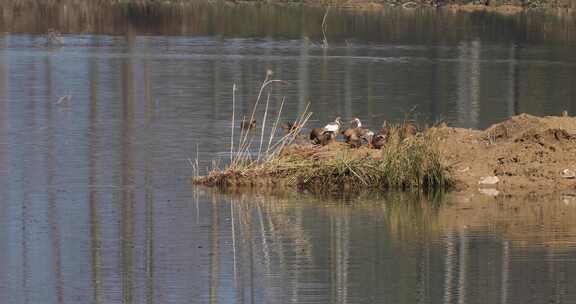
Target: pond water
[[96, 135]]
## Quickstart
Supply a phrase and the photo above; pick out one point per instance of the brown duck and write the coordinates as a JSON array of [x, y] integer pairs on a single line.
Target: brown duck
[[247, 124], [316, 135], [53, 38], [382, 136], [409, 130], [357, 136], [323, 136], [289, 127]]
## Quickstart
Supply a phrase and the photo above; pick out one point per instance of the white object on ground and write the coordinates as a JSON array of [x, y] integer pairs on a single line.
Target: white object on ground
[[568, 173], [489, 180], [489, 191]]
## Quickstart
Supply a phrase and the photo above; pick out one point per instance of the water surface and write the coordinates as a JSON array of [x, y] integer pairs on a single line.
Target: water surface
[[96, 204]]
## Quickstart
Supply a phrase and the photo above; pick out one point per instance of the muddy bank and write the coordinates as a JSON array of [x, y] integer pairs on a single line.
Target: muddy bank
[[524, 155]]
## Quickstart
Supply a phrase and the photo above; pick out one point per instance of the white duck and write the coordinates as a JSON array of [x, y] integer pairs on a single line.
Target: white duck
[[334, 126], [361, 133]]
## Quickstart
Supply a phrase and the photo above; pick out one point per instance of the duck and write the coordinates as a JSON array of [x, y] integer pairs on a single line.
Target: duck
[[317, 135], [382, 136], [409, 130], [367, 135], [54, 38], [246, 124], [357, 136], [323, 136], [333, 127], [289, 127], [330, 131], [356, 123]]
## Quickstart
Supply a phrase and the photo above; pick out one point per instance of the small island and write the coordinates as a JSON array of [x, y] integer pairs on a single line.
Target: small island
[[522, 155]]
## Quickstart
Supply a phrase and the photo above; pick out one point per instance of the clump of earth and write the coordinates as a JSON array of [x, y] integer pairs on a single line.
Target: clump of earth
[[524, 154]]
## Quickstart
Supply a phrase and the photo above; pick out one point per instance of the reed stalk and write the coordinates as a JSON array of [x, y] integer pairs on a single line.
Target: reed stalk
[[243, 145], [232, 204], [324, 28], [233, 122], [263, 125], [274, 128]]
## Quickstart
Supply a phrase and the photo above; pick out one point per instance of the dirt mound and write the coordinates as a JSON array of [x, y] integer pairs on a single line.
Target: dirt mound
[[526, 153]]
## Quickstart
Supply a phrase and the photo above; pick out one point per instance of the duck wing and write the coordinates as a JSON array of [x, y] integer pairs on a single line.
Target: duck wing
[[331, 127]]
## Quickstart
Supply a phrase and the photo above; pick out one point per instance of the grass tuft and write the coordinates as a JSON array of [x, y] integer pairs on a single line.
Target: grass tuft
[[411, 163]]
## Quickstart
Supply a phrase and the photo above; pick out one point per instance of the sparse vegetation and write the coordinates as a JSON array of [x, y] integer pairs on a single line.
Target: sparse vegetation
[[405, 163]]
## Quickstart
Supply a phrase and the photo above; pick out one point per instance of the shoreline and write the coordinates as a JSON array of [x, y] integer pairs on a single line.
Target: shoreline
[[495, 6]]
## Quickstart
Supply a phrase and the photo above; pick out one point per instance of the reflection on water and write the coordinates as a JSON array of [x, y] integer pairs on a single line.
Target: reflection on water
[[95, 198], [428, 26], [397, 249], [209, 247]]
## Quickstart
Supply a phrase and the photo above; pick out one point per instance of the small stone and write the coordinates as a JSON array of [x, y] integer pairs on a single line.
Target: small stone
[[489, 180], [489, 191], [568, 198], [466, 169], [568, 173]]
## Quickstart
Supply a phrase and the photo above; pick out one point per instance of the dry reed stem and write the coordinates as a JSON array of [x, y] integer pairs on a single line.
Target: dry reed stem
[[267, 81], [275, 126], [263, 124], [324, 26], [233, 121], [232, 204], [289, 138]]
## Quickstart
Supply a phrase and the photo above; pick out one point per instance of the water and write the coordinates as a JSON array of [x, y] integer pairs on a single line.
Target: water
[[96, 204]]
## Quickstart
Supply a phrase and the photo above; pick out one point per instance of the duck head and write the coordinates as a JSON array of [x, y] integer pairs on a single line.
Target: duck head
[[287, 126], [53, 37], [355, 123], [248, 124]]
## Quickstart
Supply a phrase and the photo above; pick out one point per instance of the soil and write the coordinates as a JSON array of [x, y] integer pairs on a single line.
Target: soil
[[527, 154]]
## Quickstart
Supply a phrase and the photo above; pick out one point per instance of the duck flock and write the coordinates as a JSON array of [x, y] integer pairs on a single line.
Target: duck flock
[[355, 135]]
